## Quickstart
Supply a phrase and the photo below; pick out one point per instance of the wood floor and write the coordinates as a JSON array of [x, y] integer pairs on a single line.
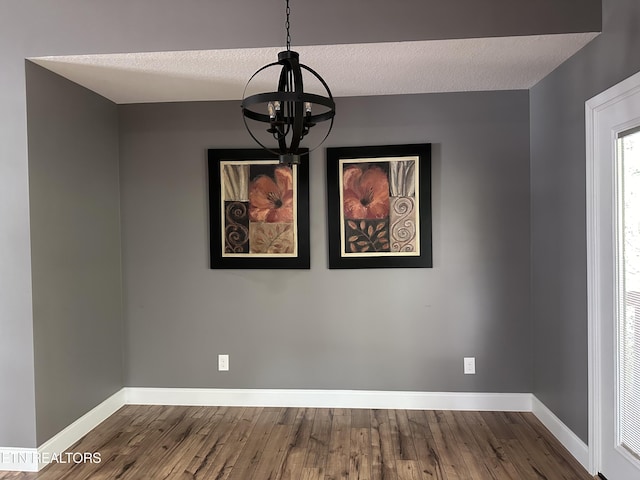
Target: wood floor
[[224, 443]]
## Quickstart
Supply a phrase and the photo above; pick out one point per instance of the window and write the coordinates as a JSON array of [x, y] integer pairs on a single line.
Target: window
[[628, 268]]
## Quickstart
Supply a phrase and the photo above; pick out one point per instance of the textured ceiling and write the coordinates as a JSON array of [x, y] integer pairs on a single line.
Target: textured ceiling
[[499, 63]]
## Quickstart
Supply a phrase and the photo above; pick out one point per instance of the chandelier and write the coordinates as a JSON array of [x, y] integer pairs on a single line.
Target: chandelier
[[279, 121]]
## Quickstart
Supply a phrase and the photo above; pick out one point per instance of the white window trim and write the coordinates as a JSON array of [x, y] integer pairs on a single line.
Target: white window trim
[[594, 192]]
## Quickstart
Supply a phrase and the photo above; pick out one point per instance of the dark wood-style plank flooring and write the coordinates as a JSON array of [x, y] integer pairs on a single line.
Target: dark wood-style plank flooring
[[231, 443]]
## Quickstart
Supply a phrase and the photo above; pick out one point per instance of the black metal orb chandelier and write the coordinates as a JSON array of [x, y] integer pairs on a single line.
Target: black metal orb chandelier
[[289, 113]]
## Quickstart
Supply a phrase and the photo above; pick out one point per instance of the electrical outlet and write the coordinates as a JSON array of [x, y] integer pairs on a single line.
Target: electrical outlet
[[223, 363], [469, 365]]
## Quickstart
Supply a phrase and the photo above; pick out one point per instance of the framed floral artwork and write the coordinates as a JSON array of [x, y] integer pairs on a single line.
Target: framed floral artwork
[[258, 210], [379, 206]]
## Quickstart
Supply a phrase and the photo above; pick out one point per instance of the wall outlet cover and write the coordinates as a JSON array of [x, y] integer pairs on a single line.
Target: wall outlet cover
[[223, 363], [469, 365]]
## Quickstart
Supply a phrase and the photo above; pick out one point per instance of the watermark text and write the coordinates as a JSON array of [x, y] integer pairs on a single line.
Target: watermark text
[[17, 458]]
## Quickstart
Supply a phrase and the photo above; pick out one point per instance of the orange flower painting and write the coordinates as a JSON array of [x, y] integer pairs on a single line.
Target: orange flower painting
[[271, 198], [379, 206], [258, 210], [365, 193]]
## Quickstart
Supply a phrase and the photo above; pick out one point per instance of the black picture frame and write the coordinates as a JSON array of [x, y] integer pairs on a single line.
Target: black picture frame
[[360, 247], [226, 254]]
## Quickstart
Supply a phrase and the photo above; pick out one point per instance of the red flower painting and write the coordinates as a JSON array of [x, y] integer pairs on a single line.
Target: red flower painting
[[365, 193], [271, 199]]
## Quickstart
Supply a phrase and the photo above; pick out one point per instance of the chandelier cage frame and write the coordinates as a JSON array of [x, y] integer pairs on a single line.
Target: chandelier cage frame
[[290, 116]]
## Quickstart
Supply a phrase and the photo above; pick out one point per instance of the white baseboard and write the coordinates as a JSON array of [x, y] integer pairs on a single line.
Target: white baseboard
[[28, 459], [564, 434], [330, 399], [35, 459], [78, 429], [18, 459]]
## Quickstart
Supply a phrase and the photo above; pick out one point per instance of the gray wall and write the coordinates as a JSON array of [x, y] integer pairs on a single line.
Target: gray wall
[[398, 329], [75, 249], [559, 269], [61, 27]]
